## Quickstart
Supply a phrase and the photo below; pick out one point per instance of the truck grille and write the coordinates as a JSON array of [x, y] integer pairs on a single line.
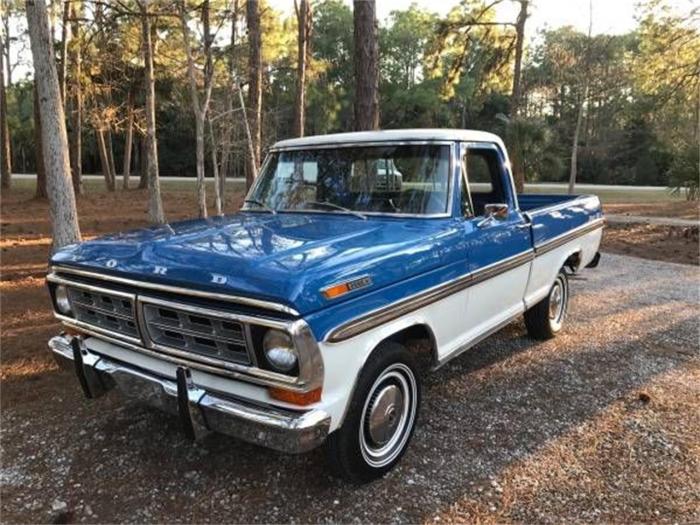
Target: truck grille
[[193, 331], [104, 310]]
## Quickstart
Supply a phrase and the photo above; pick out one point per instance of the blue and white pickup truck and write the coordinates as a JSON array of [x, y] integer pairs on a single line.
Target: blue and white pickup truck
[[286, 324]]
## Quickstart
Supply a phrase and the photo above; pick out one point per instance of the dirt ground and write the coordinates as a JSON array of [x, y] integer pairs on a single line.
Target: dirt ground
[[600, 424], [662, 243], [677, 209]]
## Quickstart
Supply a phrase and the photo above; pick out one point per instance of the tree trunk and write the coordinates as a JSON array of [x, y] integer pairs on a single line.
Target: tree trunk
[[199, 150], [582, 103], [110, 156], [516, 95], [104, 159], [218, 183], [75, 100], [199, 110], [303, 10], [229, 127], [155, 204], [64, 215], [63, 72], [254, 88], [574, 145], [40, 192], [128, 140], [251, 164], [5, 159], [143, 171], [366, 65]]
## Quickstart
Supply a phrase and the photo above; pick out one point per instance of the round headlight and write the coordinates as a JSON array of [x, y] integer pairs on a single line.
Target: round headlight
[[62, 302], [279, 350]]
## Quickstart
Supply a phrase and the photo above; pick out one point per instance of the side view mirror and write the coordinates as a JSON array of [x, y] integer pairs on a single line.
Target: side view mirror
[[493, 212]]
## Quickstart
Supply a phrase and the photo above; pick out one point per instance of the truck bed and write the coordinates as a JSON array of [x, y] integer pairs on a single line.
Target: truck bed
[[555, 215], [532, 201]]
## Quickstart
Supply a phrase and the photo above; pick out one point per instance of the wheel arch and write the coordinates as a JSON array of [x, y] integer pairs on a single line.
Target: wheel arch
[[401, 333]]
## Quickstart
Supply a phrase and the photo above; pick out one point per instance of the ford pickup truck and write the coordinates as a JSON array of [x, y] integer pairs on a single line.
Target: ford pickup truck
[[286, 324]]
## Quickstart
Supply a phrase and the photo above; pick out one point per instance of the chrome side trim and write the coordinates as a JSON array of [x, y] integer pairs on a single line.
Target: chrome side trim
[[404, 306], [562, 239], [259, 303]]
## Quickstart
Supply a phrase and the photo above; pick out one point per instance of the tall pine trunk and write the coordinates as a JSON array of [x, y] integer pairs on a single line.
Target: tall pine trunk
[[128, 140], [218, 184], [110, 155], [155, 204], [40, 192], [303, 10], [366, 65], [64, 215], [254, 89], [75, 99], [104, 158], [582, 102], [63, 72], [143, 171], [516, 95], [5, 159], [200, 108], [226, 153]]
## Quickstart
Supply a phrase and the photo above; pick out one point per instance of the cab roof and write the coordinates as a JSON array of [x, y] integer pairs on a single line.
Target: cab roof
[[390, 135]]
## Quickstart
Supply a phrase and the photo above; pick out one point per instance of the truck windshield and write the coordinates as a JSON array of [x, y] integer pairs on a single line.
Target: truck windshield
[[392, 179]]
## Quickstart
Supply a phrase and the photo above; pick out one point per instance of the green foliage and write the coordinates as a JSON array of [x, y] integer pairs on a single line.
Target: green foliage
[[640, 119]]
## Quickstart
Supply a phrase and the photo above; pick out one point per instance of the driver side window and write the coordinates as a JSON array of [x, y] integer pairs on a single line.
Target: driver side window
[[484, 182]]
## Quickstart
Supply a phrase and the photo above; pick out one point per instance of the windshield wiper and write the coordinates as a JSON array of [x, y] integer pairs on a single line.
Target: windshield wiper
[[337, 207], [261, 204]]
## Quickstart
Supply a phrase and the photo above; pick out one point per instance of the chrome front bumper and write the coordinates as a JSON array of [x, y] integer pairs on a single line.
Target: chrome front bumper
[[200, 411]]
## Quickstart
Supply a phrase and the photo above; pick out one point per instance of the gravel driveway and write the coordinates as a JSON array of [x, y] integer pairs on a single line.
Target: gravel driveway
[[600, 424]]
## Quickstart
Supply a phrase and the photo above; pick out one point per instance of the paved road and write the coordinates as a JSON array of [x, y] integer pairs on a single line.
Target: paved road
[[640, 219], [506, 402]]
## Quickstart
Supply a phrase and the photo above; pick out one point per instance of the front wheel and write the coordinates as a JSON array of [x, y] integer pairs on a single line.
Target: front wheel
[[545, 319], [381, 417]]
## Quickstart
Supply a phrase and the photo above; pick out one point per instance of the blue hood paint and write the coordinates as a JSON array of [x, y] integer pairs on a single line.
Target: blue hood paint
[[286, 258]]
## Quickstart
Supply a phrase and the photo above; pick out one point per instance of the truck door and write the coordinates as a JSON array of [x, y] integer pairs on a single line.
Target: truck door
[[497, 236]]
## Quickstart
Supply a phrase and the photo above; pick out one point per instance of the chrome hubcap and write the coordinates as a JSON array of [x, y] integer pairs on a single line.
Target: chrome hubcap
[[556, 302], [385, 414], [388, 415]]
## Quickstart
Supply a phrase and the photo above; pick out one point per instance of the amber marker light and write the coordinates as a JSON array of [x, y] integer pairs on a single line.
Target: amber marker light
[[295, 398], [336, 291]]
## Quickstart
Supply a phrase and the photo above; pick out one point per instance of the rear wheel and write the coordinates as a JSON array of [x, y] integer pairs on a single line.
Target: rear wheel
[[381, 417], [545, 319]]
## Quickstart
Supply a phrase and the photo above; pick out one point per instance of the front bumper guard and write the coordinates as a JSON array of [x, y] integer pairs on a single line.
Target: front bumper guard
[[200, 411]]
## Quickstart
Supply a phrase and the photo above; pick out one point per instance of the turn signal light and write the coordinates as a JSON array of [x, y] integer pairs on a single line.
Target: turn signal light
[[336, 291], [296, 398]]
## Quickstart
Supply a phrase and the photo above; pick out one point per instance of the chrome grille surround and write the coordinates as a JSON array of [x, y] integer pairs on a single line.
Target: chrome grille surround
[[104, 309], [311, 369], [206, 332]]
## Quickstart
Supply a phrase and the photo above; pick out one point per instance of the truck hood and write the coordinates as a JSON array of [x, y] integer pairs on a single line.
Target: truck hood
[[286, 258]]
